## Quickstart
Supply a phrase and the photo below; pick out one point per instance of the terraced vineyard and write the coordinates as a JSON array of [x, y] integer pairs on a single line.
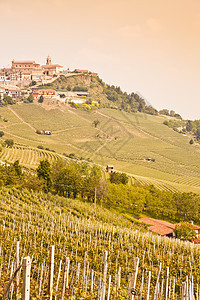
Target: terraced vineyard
[[82, 234], [123, 139], [28, 157]]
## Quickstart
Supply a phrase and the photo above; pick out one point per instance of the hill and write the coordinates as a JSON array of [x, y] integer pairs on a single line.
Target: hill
[[136, 143], [83, 232], [104, 94]]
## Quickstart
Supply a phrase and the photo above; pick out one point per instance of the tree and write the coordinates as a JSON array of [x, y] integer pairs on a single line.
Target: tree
[[185, 231], [96, 123], [7, 100], [172, 113], [41, 99], [189, 126], [118, 178], [1, 133], [164, 112], [187, 206], [191, 142], [197, 133], [17, 167], [33, 83], [44, 174], [9, 143], [30, 98], [68, 181]]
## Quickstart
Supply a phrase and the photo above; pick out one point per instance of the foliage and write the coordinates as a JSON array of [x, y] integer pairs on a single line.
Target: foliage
[[30, 98], [17, 167], [118, 178], [191, 142], [44, 173], [82, 232], [41, 99], [96, 123], [1, 133], [185, 231], [7, 100], [33, 82], [9, 143]]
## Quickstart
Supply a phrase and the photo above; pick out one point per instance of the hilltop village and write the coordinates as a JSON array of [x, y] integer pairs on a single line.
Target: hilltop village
[[23, 78]]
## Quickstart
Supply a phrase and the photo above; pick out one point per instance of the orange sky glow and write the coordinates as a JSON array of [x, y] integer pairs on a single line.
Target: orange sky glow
[[148, 46]]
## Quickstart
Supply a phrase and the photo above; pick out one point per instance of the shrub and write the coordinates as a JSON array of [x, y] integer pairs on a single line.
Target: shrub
[[9, 143]]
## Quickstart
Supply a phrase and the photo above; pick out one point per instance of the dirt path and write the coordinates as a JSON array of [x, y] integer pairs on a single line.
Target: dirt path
[[20, 118]]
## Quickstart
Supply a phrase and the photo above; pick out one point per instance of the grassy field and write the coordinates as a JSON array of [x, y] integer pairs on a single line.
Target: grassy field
[[122, 139]]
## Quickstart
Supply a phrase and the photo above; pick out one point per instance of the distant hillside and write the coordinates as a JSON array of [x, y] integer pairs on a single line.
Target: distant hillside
[[136, 143], [106, 95]]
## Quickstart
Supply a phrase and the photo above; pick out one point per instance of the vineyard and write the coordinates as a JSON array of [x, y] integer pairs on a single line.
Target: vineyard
[[98, 253], [122, 139], [28, 157]]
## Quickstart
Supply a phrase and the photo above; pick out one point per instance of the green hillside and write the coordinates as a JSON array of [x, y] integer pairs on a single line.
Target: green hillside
[[104, 94], [83, 232], [123, 139]]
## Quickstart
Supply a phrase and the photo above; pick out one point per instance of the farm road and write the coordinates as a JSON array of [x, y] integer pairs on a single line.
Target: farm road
[[20, 118]]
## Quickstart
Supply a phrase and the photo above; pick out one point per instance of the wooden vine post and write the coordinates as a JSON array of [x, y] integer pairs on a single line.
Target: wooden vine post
[[104, 275], [66, 267], [26, 278], [16, 266], [183, 291], [132, 284], [51, 268], [167, 283]]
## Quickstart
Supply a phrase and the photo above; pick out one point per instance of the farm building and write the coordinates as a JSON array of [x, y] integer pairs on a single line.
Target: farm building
[[110, 168], [165, 228], [160, 227]]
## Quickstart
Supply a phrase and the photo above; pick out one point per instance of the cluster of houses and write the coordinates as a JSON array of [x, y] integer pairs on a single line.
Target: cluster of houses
[[32, 71], [12, 91], [22, 73]]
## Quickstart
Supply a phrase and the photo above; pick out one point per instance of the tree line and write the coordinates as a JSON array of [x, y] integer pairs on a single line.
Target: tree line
[[89, 183]]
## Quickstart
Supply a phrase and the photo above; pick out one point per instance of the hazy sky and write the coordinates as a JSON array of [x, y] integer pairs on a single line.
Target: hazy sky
[[148, 46]]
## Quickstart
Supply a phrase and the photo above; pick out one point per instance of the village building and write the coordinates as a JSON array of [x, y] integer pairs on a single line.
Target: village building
[[50, 69], [2, 90], [12, 91], [35, 92], [24, 66], [47, 93]]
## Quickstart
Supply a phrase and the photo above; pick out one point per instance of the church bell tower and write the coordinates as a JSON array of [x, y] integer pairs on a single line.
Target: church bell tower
[[48, 60]]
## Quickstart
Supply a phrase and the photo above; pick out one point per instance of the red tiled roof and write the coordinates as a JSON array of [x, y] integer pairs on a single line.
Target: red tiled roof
[[12, 88], [24, 61], [197, 241], [51, 66], [161, 229], [151, 221], [47, 90]]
